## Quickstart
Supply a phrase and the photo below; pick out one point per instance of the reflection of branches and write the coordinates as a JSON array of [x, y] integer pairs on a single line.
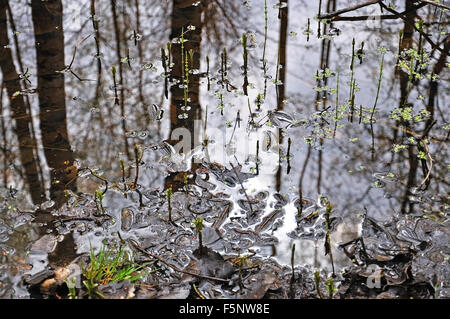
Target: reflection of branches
[[214, 13], [435, 3], [97, 47], [430, 159], [227, 17], [396, 14], [153, 256], [119, 62], [351, 8], [243, 188], [335, 14], [141, 58], [68, 68], [26, 99], [412, 24], [381, 17]]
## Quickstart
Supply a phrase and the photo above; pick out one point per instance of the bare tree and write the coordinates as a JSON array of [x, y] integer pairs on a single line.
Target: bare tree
[[49, 38], [21, 115], [281, 72], [186, 36]]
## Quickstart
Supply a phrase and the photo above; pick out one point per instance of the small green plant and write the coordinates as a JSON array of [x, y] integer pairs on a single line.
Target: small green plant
[[240, 261], [329, 284], [109, 266], [186, 68], [380, 77], [98, 197], [72, 294], [198, 224], [137, 159], [308, 30], [169, 196], [317, 282], [328, 250]]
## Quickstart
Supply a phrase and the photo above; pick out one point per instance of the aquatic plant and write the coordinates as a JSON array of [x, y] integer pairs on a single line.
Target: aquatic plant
[[72, 294], [317, 283], [380, 76], [240, 261], [328, 249], [331, 289], [169, 197], [108, 266], [198, 225], [98, 198]]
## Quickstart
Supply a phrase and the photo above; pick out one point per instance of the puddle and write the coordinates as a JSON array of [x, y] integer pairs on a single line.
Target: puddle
[[235, 152]]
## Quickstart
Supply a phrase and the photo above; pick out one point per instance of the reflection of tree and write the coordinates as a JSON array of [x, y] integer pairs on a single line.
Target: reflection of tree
[[281, 71], [320, 101], [406, 85], [121, 100], [97, 142], [412, 173], [49, 37], [184, 14], [185, 35], [21, 114]]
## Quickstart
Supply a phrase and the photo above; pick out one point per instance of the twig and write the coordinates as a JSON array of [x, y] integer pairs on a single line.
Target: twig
[[380, 77], [68, 68], [381, 17], [198, 292], [218, 222], [351, 8], [242, 186], [89, 219], [139, 248], [229, 20], [437, 4], [427, 177], [412, 24]]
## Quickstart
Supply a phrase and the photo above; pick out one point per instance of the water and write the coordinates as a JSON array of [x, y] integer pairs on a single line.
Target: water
[[260, 169]]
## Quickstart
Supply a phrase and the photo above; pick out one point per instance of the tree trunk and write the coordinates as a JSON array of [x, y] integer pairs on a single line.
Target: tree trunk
[[281, 75], [184, 14], [283, 15], [117, 34], [49, 37], [406, 43], [405, 87], [19, 110]]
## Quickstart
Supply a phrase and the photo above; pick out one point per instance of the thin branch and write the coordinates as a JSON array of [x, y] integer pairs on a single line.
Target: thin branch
[[412, 24], [381, 17], [348, 9], [437, 4], [139, 248], [365, 17], [430, 159], [230, 21], [242, 186]]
